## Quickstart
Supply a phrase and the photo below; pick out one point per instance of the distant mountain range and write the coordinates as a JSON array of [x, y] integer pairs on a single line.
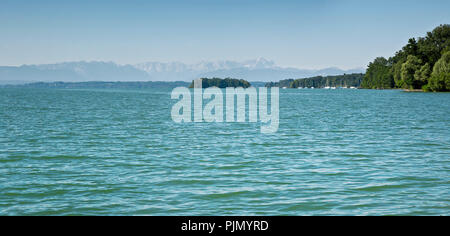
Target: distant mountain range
[[251, 70]]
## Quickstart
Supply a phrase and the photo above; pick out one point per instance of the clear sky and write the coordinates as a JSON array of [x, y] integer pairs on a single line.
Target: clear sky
[[303, 34]]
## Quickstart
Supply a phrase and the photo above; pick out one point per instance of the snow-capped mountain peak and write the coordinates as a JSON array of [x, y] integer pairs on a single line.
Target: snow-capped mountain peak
[[204, 66]]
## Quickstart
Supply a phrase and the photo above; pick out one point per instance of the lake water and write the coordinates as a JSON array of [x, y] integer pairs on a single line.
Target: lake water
[[343, 152]]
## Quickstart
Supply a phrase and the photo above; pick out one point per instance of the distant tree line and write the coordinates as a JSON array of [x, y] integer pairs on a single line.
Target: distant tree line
[[346, 80], [99, 84], [424, 63], [222, 83], [282, 83]]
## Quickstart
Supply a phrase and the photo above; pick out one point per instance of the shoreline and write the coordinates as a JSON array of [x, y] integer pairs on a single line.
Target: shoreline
[[414, 90]]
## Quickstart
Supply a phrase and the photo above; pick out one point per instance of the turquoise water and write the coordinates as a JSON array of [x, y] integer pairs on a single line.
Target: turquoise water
[[108, 152]]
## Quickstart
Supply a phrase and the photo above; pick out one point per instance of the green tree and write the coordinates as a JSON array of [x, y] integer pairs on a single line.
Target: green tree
[[411, 48], [378, 74], [440, 77], [408, 71], [397, 74], [431, 47], [421, 76]]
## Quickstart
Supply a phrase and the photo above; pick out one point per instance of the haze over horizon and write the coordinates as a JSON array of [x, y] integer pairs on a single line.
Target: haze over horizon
[[259, 69], [299, 34]]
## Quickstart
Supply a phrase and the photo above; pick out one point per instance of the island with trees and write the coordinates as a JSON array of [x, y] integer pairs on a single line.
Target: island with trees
[[422, 64], [222, 83]]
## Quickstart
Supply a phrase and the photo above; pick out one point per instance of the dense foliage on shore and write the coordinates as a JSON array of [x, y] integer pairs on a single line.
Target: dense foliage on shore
[[424, 63], [346, 80], [222, 83]]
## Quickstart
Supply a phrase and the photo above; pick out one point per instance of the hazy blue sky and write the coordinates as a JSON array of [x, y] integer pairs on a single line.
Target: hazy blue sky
[[304, 34]]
